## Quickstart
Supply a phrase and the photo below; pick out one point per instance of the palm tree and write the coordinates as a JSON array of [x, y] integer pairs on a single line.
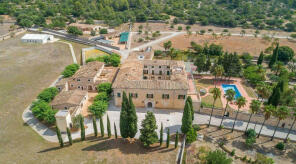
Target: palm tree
[[294, 115], [255, 107], [268, 109], [281, 113], [167, 45], [263, 90], [216, 94], [229, 97], [218, 71], [240, 102]]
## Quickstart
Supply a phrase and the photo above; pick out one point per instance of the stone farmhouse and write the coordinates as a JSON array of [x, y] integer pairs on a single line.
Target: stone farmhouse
[[153, 84]]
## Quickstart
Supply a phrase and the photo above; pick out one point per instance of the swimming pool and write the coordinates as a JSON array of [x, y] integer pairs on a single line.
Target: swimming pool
[[233, 87]]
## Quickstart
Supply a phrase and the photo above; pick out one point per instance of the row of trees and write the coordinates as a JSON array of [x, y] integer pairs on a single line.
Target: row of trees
[[113, 59], [70, 70]]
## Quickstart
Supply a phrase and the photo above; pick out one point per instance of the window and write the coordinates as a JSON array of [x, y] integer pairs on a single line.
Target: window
[[159, 77], [78, 86], [66, 107], [78, 79], [118, 94], [72, 85], [168, 72], [152, 66], [165, 96], [149, 96], [145, 77], [88, 80], [152, 72], [181, 96], [145, 71], [134, 95], [152, 77], [168, 67], [145, 66], [160, 72], [159, 67]]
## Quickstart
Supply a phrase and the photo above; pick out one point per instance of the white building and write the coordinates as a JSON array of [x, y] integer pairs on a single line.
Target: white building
[[37, 38], [63, 119]]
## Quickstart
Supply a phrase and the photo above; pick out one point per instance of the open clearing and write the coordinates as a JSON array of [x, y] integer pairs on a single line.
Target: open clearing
[[26, 69], [237, 44]]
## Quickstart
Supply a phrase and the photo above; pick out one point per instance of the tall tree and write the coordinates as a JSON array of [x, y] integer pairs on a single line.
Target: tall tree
[[115, 131], [132, 119], [186, 119], [161, 135], [240, 102], [216, 94], [294, 115], [267, 110], [102, 127], [148, 134], [260, 59], [82, 129], [59, 137], [263, 90], [176, 139], [255, 108], [189, 100], [124, 116], [95, 126], [167, 45], [281, 113], [217, 72], [230, 94], [69, 136], [275, 98], [274, 57], [108, 127], [168, 138]]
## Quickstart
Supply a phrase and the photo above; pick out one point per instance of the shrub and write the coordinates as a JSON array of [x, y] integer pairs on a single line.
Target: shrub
[[90, 60], [70, 70], [98, 108], [48, 94], [43, 112], [196, 127], [251, 137], [191, 136], [157, 52], [103, 31], [180, 28], [260, 158], [102, 96], [280, 146], [105, 87], [218, 156], [232, 153], [74, 30], [250, 133], [76, 121]]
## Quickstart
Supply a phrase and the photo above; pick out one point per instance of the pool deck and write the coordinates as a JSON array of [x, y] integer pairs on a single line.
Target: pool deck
[[237, 82]]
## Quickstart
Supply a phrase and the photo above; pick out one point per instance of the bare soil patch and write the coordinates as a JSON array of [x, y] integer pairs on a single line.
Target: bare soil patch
[[237, 44]]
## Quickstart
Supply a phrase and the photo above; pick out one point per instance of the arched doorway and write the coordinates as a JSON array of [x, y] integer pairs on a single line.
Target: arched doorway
[[149, 104]]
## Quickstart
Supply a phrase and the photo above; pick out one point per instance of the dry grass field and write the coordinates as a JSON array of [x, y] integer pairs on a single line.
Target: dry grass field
[[237, 44], [26, 69]]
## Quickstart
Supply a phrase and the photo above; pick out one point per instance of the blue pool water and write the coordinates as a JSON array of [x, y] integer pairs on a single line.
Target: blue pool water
[[233, 87]]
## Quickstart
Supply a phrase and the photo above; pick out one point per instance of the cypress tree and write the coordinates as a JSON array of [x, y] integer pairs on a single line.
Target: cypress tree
[[186, 119], [132, 119], [123, 116], [274, 57], [69, 136], [102, 126], [82, 129], [260, 59], [168, 138], [177, 139], [95, 126], [191, 106], [115, 131], [60, 137], [161, 135], [108, 127], [274, 99]]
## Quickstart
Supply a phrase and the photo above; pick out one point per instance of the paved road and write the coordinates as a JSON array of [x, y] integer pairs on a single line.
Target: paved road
[[171, 119]]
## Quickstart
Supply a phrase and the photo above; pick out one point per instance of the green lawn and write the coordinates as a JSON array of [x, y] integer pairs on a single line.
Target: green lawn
[[250, 91], [209, 100]]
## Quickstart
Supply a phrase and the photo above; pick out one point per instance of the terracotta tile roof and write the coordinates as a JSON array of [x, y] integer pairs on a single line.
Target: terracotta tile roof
[[89, 70], [130, 76], [73, 97]]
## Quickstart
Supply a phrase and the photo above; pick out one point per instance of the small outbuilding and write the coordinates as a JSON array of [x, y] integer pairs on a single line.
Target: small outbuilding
[[123, 37], [37, 38]]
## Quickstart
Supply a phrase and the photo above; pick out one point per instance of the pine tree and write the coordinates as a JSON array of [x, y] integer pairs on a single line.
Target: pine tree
[[161, 135], [168, 138], [102, 126], [260, 59], [148, 134], [274, 57], [186, 119], [69, 136], [108, 127], [177, 139], [123, 116], [95, 126], [189, 100], [60, 137], [132, 119], [82, 129], [115, 131]]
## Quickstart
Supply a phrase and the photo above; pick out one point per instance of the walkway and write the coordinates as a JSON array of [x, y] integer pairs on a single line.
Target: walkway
[[171, 119], [72, 51]]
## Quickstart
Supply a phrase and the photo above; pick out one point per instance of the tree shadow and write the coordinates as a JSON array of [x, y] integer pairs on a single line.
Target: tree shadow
[[53, 148]]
